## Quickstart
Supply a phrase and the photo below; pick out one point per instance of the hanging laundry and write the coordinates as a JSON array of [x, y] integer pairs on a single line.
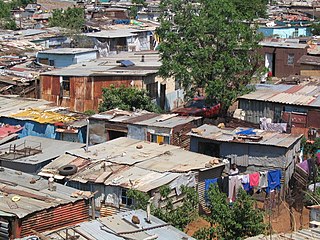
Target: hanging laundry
[[254, 179], [244, 178], [274, 178], [207, 184], [234, 185], [304, 165], [312, 169], [263, 183], [223, 184], [246, 187]]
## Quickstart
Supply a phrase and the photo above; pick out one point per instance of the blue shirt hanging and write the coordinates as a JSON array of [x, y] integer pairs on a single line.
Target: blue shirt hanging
[[274, 178], [207, 183]]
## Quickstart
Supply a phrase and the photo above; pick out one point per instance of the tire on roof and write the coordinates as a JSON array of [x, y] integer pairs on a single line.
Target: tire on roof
[[67, 170]]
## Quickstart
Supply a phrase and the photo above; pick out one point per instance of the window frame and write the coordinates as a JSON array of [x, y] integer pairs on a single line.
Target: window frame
[[65, 91], [290, 59], [125, 200]]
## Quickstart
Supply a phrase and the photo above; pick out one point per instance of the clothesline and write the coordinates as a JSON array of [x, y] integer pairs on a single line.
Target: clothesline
[[230, 185]]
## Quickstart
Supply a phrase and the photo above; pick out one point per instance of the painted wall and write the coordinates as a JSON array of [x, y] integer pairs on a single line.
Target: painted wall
[[65, 60], [280, 61], [286, 32], [32, 128]]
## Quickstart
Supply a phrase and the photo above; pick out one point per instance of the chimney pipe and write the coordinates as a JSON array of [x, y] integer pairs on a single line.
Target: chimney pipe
[[149, 210], [142, 58], [87, 137]]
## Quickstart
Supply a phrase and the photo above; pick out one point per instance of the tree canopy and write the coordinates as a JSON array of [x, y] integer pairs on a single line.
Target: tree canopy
[[229, 223], [315, 29], [71, 18], [210, 45], [6, 20], [179, 216], [126, 98]]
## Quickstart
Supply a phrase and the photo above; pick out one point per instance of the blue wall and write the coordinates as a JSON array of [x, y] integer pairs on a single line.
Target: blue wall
[[65, 60], [285, 32], [32, 128]]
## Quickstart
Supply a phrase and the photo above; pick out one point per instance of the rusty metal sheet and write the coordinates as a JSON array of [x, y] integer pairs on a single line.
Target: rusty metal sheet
[[54, 218], [294, 89], [294, 118], [313, 119], [300, 130]]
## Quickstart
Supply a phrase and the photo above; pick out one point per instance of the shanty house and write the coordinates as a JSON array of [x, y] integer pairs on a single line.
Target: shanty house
[[113, 167], [165, 128], [152, 127], [256, 150], [38, 118], [28, 204], [121, 40], [281, 58], [112, 124], [63, 57], [296, 105], [79, 87], [310, 65], [30, 154]]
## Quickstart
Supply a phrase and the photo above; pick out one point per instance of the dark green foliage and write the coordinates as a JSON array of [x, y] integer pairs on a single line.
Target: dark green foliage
[[126, 98], [6, 20], [89, 112], [71, 18], [231, 223], [315, 29], [178, 217], [140, 198], [133, 11], [211, 45]]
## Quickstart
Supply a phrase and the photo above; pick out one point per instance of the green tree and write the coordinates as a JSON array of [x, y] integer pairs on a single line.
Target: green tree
[[71, 18], [315, 29], [231, 222], [6, 20], [180, 216], [211, 45], [126, 98]]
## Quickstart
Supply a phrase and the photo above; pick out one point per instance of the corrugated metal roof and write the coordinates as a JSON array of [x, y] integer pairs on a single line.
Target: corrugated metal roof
[[227, 135], [120, 163], [286, 94], [50, 148], [121, 223], [117, 115], [116, 33], [310, 60], [304, 234], [178, 160], [106, 67], [141, 179], [124, 151], [29, 204], [120, 227], [13, 104], [167, 121]]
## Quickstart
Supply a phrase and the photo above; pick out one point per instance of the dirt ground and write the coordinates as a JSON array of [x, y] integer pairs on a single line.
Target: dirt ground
[[280, 221], [196, 225]]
